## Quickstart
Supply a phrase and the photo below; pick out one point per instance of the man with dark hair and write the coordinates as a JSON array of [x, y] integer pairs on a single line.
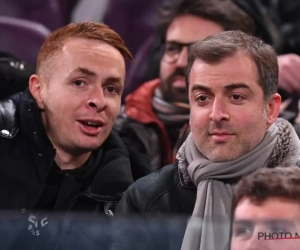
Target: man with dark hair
[[232, 87], [58, 151], [266, 207], [155, 117]]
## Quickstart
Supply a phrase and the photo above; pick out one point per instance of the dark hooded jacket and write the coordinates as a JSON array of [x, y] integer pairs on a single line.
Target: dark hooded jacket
[[27, 156]]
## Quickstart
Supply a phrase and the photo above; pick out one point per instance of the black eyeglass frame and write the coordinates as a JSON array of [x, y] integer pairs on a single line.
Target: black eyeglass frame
[[173, 58]]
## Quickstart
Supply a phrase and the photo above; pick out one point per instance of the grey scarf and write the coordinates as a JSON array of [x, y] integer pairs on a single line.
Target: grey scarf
[[214, 191]]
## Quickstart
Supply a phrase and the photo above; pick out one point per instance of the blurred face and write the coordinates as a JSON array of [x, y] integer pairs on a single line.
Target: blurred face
[[253, 223], [81, 98], [228, 114], [182, 32]]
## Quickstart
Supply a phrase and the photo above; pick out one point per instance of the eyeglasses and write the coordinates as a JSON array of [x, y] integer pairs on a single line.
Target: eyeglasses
[[172, 50]]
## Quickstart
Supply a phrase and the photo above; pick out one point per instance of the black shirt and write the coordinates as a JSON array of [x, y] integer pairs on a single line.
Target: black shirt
[[53, 187]]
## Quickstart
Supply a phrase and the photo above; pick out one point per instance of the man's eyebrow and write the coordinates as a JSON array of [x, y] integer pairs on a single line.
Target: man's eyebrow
[[200, 87], [243, 222], [279, 222], [233, 86], [112, 79], [85, 71], [180, 43]]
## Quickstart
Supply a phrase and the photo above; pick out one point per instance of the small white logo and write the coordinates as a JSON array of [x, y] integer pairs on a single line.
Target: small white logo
[[36, 224]]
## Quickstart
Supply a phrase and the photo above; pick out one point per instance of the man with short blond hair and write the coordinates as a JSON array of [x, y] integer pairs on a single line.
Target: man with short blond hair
[[58, 151]]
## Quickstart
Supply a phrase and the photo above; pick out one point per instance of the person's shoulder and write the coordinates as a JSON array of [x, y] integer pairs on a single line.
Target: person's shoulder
[[8, 112], [124, 121], [149, 188], [164, 178], [134, 130]]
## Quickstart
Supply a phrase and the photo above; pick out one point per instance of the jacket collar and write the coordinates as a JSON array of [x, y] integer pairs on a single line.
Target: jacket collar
[[114, 173], [114, 176], [31, 122]]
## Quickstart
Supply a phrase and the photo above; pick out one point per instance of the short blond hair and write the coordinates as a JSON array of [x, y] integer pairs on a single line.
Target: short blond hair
[[89, 30]]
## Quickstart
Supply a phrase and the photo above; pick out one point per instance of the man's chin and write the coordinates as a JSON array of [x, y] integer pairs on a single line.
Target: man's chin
[[222, 157], [175, 97], [179, 96], [183, 103]]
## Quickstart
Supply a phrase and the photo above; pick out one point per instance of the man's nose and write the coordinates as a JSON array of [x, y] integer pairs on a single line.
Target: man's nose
[[97, 100], [218, 111], [182, 58]]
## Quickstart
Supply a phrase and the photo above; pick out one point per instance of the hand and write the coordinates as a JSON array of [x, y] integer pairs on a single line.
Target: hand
[[289, 73]]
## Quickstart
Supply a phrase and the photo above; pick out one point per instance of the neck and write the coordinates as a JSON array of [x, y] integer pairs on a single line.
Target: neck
[[69, 161], [64, 159]]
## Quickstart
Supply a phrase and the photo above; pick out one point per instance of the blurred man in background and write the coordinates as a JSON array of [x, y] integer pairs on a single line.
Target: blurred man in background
[[266, 208]]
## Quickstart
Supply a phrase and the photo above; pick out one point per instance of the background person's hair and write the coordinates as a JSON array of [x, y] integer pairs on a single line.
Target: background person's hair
[[278, 182], [216, 48], [89, 30], [224, 12]]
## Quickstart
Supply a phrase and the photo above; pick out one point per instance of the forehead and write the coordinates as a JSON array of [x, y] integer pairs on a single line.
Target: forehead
[[272, 208], [94, 55], [189, 28], [238, 68]]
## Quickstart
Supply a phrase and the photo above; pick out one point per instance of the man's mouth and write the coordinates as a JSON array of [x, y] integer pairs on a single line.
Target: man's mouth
[[179, 82], [91, 127], [91, 124], [221, 136]]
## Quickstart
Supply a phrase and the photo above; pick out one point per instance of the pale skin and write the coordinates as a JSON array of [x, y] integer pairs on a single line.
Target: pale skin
[[229, 116], [275, 214], [80, 98]]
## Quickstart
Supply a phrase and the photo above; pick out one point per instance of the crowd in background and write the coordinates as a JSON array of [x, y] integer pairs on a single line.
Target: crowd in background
[[172, 74]]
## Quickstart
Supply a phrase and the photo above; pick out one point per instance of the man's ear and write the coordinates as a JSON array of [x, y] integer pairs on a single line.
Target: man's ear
[[35, 88], [273, 108]]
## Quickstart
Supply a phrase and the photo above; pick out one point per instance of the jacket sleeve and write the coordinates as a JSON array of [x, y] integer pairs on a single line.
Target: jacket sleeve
[[129, 213], [141, 195], [129, 203], [132, 226]]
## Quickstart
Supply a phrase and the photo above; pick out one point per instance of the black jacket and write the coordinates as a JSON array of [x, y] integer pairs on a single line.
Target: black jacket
[[277, 22], [161, 198], [27, 155], [161, 192]]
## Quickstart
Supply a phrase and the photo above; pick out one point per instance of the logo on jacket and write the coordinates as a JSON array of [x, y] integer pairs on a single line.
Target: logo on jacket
[[36, 224]]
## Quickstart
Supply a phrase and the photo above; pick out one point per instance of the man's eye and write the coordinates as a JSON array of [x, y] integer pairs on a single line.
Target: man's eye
[[111, 89], [243, 231], [278, 229], [172, 49], [79, 83], [202, 98], [237, 97]]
